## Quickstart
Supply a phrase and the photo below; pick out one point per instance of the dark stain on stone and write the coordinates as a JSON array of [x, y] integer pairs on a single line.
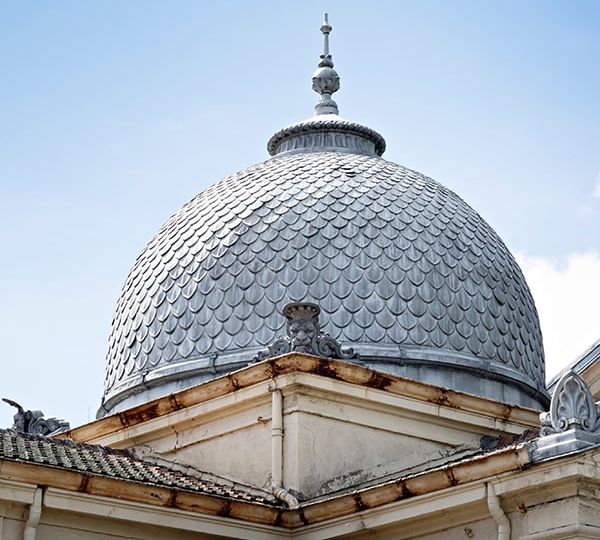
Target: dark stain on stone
[[302, 516], [359, 504], [450, 475], [488, 443], [233, 382], [139, 414], [506, 412], [442, 398], [172, 502], [278, 518], [379, 381], [175, 405], [273, 368], [83, 484], [225, 509], [405, 493], [324, 368]]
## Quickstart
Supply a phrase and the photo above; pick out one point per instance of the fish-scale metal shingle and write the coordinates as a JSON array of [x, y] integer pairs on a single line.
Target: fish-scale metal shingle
[[394, 259]]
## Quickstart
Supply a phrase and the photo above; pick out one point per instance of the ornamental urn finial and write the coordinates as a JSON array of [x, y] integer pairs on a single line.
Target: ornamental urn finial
[[325, 80]]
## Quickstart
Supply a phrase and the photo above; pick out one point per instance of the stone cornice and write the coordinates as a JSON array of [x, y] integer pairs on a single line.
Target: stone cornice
[[434, 490], [302, 363]]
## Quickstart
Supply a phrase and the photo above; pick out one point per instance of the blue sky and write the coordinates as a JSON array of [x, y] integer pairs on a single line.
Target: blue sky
[[114, 114]]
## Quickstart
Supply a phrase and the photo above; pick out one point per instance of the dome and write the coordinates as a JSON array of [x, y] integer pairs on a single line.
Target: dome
[[402, 269]]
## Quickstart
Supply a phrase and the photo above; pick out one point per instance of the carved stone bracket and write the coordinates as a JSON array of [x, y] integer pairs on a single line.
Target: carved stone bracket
[[573, 422], [304, 335], [34, 422]]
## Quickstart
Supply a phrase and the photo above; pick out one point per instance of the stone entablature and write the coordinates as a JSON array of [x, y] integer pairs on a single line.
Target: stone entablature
[[489, 414]]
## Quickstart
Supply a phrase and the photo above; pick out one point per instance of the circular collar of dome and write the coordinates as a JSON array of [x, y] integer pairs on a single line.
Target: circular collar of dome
[[327, 132]]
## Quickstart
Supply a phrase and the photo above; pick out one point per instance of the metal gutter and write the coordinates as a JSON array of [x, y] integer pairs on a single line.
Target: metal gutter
[[140, 492], [296, 362], [277, 438], [470, 470]]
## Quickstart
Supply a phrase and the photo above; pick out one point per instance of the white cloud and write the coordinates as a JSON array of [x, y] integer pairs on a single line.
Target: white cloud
[[567, 296]]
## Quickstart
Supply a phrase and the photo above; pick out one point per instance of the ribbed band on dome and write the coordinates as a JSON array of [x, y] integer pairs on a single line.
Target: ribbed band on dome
[[327, 132]]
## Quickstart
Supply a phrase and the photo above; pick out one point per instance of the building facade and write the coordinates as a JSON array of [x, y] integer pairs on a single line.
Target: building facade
[[323, 345]]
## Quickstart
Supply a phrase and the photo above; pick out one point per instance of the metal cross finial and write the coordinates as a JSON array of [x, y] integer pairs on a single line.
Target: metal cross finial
[[325, 80]]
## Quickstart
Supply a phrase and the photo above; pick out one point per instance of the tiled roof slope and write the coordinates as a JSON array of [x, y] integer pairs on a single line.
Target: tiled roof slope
[[116, 464], [392, 258]]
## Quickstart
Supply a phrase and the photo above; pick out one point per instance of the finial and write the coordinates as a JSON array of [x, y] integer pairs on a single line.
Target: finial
[[326, 30], [325, 80]]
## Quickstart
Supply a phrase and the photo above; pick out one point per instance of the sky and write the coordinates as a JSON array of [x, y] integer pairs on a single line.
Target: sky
[[114, 114]]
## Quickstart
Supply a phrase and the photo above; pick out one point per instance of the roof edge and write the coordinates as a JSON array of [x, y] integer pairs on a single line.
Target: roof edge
[[464, 472], [130, 490], [334, 369]]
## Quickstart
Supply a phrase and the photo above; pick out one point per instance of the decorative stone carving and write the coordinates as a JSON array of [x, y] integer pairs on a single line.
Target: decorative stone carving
[[573, 422], [34, 422], [304, 335], [572, 406]]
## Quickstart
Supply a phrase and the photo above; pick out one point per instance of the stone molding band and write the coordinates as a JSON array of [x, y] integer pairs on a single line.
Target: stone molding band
[[358, 133]]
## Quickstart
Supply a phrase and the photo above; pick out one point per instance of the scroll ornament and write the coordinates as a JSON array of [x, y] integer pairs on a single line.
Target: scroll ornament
[[33, 422]]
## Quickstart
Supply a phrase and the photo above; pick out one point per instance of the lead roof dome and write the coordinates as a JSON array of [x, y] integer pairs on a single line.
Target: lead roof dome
[[404, 271]]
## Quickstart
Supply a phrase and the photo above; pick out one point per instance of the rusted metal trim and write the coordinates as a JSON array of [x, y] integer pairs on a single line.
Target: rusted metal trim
[[296, 362], [139, 492], [471, 470]]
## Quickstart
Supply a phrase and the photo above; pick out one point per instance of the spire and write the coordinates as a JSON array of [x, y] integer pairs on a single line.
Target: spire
[[326, 132], [325, 80]]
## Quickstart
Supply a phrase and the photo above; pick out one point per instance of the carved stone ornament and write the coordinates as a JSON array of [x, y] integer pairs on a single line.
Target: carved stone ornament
[[34, 422], [573, 422], [304, 335], [572, 406]]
